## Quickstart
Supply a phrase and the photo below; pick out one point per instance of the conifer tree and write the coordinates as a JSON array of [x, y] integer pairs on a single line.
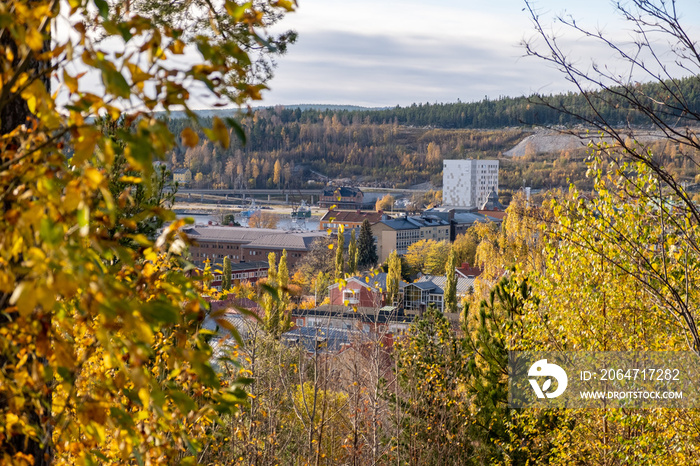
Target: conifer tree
[[366, 249]]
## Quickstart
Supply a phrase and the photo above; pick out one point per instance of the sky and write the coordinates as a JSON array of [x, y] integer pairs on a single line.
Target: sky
[[379, 53]]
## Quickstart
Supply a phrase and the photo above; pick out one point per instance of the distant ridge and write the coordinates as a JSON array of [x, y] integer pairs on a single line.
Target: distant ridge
[[324, 107], [232, 112]]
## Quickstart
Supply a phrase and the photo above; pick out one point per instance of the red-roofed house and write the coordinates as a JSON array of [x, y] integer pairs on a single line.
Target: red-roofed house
[[349, 219]]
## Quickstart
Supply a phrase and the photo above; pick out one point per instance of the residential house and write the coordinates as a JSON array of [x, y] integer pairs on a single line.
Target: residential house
[[341, 197], [367, 291], [468, 271], [430, 289], [349, 219], [182, 175]]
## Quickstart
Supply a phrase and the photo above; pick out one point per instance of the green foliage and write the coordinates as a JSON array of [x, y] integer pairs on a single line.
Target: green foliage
[[432, 405], [366, 248], [275, 298], [451, 282], [393, 279], [226, 281], [492, 332], [103, 356], [352, 254], [428, 256], [339, 256]]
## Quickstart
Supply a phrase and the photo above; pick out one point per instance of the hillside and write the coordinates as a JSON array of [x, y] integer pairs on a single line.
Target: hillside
[[402, 146]]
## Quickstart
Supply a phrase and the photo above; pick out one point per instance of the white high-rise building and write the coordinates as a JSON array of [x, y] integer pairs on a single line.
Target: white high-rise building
[[467, 183]]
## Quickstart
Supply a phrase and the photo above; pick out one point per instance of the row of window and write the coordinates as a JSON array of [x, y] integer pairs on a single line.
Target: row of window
[[204, 255], [243, 275], [219, 246]]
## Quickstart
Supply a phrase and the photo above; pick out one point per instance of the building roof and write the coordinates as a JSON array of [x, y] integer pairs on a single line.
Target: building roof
[[412, 223], [467, 270], [321, 339], [343, 191], [227, 234], [386, 314], [425, 286], [371, 281], [450, 208], [299, 241], [464, 285], [352, 216], [494, 215], [492, 202], [255, 237], [471, 217], [180, 171]]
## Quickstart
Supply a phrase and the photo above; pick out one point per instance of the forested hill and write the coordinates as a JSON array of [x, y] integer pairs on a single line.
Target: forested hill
[[288, 147], [505, 111]]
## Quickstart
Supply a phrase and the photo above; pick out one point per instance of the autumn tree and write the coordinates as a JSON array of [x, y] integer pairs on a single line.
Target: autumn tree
[[274, 298], [320, 258], [277, 173], [428, 256], [226, 280], [493, 327], [283, 281], [262, 219], [664, 103], [339, 256], [100, 343], [393, 279], [465, 246], [451, 283], [352, 254], [366, 248], [385, 204], [430, 403]]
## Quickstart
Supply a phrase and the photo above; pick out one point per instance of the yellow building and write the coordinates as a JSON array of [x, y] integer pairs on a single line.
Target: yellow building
[[182, 175], [399, 233]]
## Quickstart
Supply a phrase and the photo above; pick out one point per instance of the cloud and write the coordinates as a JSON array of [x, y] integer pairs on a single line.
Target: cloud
[[384, 70]]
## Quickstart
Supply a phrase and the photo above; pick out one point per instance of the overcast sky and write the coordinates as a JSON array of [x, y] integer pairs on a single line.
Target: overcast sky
[[390, 52]]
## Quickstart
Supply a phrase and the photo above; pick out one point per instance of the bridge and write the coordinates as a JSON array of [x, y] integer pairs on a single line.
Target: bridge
[[243, 194], [252, 192], [310, 195]]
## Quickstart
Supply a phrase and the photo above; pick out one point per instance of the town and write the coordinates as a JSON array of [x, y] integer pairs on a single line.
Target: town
[[287, 232]]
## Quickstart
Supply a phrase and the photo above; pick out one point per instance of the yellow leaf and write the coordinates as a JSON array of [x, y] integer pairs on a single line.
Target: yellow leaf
[[34, 40], [71, 82], [85, 144], [221, 132], [177, 47], [189, 137], [93, 177], [286, 4]]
